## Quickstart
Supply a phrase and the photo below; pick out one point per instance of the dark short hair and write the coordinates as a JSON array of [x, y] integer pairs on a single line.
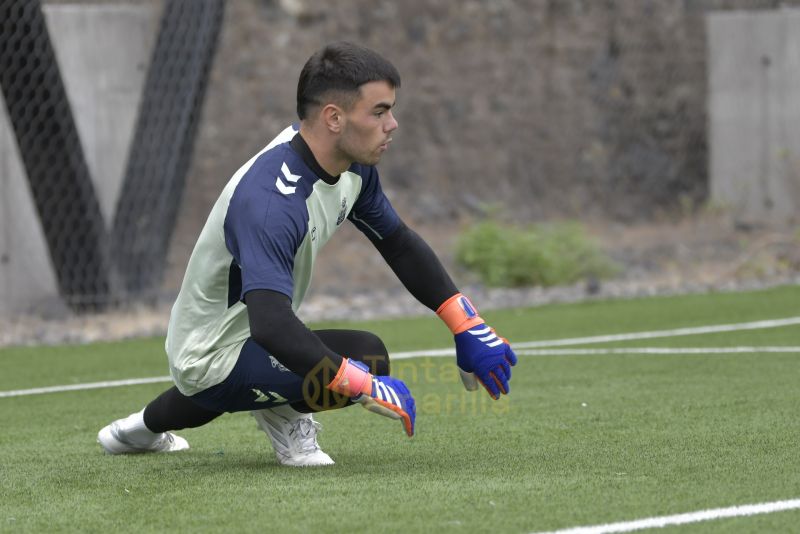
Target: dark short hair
[[338, 71]]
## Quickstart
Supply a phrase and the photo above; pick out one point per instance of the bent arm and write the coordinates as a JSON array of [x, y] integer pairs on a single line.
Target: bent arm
[[276, 328]]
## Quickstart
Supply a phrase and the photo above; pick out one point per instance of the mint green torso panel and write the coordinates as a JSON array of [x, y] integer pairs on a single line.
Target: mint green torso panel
[[264, 232]]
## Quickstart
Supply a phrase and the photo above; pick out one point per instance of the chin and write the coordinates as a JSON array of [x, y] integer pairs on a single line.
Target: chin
[[369, 161]]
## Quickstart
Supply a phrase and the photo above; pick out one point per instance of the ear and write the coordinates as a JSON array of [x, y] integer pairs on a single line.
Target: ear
[[332, 117]]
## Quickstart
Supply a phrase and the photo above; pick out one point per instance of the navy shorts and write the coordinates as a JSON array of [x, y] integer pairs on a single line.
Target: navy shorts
[[259, 380]]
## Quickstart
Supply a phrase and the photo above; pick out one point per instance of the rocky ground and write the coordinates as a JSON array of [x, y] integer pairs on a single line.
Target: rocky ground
[[691, 255]]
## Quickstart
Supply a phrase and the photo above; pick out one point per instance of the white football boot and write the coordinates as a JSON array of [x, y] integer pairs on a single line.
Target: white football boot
[[130, 436], [293, 436]]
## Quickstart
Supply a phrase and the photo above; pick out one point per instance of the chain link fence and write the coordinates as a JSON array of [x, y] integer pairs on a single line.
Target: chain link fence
[[98, 261]]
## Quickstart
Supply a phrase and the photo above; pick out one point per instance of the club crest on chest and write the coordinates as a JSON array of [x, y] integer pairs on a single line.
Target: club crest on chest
[[342, 212]]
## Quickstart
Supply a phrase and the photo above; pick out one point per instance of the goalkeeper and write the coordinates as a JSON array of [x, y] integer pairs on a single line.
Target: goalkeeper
[[234, 342]]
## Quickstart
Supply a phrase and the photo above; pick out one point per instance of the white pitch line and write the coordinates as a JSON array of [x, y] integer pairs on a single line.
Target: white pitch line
[[656, 350], [89, 385], [712, 329], [683, 519], [406, 355], [772, 323]]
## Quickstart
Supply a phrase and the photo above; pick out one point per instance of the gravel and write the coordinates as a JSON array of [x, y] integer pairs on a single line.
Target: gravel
[[138, 322]]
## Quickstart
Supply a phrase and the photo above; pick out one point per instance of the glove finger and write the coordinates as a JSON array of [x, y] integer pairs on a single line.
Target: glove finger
[[408, 425], [396, 412], [468, 379], [410, 416], [410, 407], [380, 407], [502, 380], [489, 383], [407, 408], [409, 422], [510, 356], [506, 369]]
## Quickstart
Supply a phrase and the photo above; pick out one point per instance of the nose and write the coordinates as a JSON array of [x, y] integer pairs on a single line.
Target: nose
[[391, 124]]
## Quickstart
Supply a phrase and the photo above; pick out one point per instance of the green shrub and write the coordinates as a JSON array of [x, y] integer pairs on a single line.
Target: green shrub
[[544, 255]]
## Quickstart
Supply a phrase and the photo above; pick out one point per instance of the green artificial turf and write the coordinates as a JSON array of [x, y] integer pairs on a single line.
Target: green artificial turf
[[581, 439]]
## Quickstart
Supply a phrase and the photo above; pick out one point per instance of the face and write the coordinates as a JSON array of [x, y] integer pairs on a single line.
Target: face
[[367, 127]]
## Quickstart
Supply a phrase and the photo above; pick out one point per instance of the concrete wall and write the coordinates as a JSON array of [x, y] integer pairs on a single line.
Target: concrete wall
[[754, 113], [103, 52], [26, 272]]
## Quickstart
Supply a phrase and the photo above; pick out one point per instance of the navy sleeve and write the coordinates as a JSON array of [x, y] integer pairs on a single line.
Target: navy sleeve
[[372, 212], [263, 231]]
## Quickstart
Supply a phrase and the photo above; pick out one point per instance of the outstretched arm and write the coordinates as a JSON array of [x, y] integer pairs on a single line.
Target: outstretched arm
[[416, 266], [481, 355]]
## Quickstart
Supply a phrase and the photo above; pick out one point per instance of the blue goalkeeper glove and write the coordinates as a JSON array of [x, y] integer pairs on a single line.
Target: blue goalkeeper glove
[[383, 395], [482, 356], [390, 397]]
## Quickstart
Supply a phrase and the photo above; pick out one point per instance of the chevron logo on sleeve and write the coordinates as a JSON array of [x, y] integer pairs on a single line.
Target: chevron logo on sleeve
[[269, 396], [291, 178]]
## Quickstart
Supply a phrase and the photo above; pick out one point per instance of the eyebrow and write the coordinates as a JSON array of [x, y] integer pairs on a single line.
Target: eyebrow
[[383, 105]]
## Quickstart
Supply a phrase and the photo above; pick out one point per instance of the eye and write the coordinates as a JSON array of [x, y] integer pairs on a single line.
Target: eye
[[379, 113]]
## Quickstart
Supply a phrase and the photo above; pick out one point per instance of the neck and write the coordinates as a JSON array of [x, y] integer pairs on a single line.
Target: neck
[[324, 150]]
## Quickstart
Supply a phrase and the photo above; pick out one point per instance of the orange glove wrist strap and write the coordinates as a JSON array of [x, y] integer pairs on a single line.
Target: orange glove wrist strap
[[459, 314], [351, 380]]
